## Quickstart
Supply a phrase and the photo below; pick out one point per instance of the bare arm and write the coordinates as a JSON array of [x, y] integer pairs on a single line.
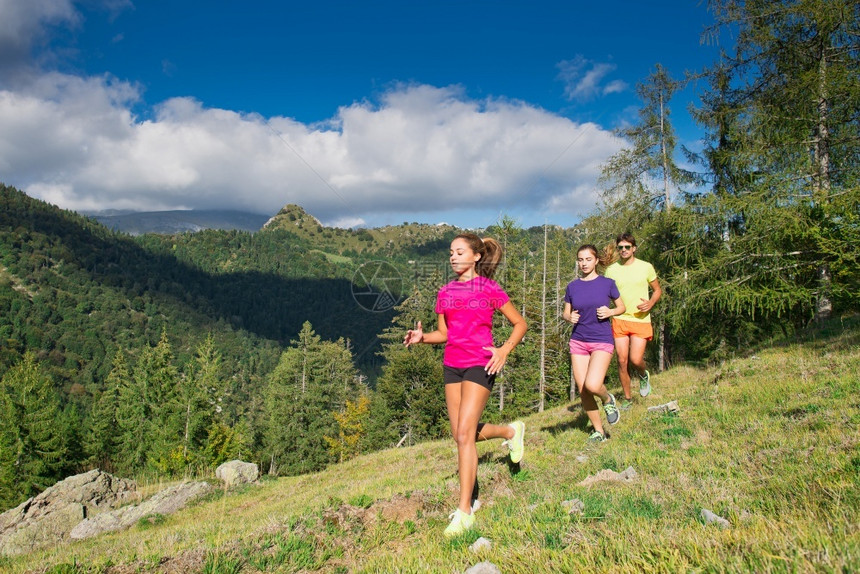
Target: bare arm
[[417, 335], [570, 314], [656, 293], [605, 312]]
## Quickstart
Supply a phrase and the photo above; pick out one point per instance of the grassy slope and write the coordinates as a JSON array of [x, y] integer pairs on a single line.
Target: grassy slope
[[768, 441]]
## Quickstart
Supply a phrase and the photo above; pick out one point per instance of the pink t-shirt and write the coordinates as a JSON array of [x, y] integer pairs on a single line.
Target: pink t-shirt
[[468, 307]]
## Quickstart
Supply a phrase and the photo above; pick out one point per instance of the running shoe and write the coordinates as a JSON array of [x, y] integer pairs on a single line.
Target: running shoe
[[645, 384], [596, 436], [516, 443], [460, 522], [612, 414], [625, 404]]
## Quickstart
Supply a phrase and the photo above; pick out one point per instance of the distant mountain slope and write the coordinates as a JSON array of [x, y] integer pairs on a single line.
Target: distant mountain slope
[[168, 222], [404, 241], [73, 292]]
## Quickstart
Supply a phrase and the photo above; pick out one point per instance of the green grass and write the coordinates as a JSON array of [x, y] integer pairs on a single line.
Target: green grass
[[769, 441], [334, 258]]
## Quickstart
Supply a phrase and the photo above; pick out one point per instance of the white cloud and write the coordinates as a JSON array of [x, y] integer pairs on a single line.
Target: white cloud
[[74, 141], [346, 222], [584, 79]]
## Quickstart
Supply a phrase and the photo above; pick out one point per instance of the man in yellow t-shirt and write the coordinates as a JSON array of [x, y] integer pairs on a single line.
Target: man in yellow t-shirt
[[632, 330]]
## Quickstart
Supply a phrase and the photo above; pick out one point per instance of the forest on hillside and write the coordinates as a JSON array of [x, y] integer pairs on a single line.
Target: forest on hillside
[[164, 355]]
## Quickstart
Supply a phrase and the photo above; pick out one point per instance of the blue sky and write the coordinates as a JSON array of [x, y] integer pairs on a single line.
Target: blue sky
[[364, 113]]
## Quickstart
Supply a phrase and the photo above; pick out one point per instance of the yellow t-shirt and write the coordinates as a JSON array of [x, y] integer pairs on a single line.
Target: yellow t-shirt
[[633, 281]]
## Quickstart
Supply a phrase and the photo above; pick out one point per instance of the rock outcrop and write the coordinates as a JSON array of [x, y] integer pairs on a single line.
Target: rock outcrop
[[48, 518], [165, 502]]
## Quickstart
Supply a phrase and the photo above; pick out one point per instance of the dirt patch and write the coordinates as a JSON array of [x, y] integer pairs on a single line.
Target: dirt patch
[[399, 508], [191, 561]]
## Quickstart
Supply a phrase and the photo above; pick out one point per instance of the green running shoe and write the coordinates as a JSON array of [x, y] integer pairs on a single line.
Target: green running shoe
[[612, 414], [596, 436], [645, 384], [460, 523], [516, 444]]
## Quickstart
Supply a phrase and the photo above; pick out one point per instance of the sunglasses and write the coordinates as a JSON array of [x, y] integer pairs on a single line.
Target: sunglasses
[[625, 247]]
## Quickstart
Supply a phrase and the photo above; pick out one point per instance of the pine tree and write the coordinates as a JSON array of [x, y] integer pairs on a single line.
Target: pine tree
[[102, 439], [648, 170], [32, 446], [201, 398], [149, 414], [409, 403], [783, 150], [313, 380]]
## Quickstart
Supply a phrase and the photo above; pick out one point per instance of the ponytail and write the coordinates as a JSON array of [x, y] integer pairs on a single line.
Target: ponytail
[[604, 257], [489, 250], [610, 254]]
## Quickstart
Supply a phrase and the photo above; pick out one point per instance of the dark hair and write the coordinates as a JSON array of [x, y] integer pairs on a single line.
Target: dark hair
[[489, 250], [603, 258], [626, 237]]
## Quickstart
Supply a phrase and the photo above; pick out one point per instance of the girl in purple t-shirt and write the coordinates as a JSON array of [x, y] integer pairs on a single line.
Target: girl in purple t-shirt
[[591, 344], [464, 315]]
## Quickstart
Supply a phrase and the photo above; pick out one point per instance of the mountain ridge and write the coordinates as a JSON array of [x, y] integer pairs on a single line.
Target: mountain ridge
[[178, 221]]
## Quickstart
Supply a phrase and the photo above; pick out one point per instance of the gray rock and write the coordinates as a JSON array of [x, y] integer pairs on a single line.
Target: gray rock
[[47, 519], [575, 506], [711, 518], [607, 475], [237, 472], [165, 502], [670, 408], [481, 544], [484, 568]]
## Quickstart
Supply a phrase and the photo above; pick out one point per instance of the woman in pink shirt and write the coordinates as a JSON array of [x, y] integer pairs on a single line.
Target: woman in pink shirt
[[464, 311]]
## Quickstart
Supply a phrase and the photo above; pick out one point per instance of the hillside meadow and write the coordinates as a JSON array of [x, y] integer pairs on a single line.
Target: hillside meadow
[[768, 440]]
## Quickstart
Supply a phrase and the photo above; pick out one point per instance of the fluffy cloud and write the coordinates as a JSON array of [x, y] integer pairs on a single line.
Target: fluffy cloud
[[74, 141]]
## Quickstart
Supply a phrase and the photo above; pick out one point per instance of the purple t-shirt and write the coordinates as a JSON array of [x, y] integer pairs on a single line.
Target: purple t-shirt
[[468, 307], [586, 297]]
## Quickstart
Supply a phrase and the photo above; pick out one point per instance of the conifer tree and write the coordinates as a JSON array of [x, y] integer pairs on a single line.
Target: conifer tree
[[149, 413], [201, 397], [311, 382], [32, 445], [647, 169], [102, 438], [409, 403], [783, 149]]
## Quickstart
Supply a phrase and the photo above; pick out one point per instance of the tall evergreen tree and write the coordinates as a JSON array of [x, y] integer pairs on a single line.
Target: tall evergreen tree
[[102, 438], [149, 414], [408, 405], [32, 444], [202, 392], [648, 169], [783, 149], [313, 380]]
